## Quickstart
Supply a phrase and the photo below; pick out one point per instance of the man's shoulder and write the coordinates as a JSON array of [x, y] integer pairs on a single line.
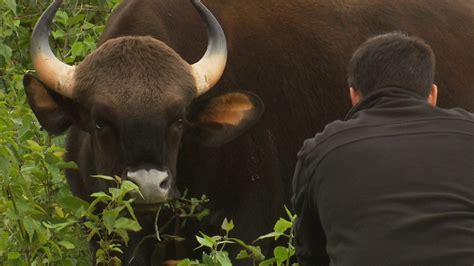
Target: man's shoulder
[[369, 122], [329, 133], [459, 113]]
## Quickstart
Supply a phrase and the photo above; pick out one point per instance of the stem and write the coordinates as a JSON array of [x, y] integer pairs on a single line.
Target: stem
[[138, 245], [4, 83], [226, 237], [157, 230], [20, 222], [163, 228], [289, 245]]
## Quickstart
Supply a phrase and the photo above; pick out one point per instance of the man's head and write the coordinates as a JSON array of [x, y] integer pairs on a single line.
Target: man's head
[[392, 60]]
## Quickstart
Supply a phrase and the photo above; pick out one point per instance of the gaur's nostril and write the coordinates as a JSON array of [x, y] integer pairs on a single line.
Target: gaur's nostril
[[165, 184]]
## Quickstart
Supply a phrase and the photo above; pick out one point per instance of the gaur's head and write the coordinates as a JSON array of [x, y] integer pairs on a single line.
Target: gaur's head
[[134, 97]]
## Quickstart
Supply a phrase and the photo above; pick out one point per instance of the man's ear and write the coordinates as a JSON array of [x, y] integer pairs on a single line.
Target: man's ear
[[224, 117], [355, 95], [433, 97], [52, 110]]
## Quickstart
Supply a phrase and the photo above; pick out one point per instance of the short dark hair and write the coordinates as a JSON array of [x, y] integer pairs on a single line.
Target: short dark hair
[[392, 60]]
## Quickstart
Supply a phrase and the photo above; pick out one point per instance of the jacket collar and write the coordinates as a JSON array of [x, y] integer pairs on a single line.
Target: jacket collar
[[385, 96]]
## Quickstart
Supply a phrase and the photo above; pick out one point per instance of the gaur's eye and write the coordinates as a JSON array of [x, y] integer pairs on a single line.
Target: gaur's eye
[[179, 123], [99, 124]]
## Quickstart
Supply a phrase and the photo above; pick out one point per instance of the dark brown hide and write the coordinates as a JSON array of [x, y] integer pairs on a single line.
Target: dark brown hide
[[293, 54]]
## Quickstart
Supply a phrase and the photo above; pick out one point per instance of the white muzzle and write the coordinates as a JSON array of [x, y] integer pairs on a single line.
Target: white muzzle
[[154, 185]]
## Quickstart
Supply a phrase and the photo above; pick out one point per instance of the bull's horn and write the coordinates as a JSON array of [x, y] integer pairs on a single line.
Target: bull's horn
[[209, 69], [51, 71]]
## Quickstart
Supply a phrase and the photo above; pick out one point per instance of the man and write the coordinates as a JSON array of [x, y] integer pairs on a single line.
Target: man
[[392, 184]]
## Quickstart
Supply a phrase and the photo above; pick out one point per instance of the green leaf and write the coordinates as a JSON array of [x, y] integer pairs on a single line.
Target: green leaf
[[92, 233], [204, 242], [227, 226], [99, 254], [128, 186], [275, 235], [116, 247], [109, 220], [74, 205], [67, 165], [268, 262], [11, 4], [207, 260], [282, 225], [291, 216], [102, 195], [78, 49], [58, 226], [5, 51], [30, 226], [187, 262], [256, 253], [58, 34], [66, 244], [62, 17], [216, 238], [76, 19], [104, 177], [127, 224], [43, 234], [3, 241], [223, 258], [13, 255], [87, 25], [115, 193], [34, 146], [122, 233], [130, 209], [202, 214], [243, 254], [255, 250], [281, 253]]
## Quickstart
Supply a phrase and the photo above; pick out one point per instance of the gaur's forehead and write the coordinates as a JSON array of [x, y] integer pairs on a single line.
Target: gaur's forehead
[[138, 105], [135, 71]]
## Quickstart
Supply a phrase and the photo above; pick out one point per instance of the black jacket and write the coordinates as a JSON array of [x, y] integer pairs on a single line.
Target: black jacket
[[392, 184]]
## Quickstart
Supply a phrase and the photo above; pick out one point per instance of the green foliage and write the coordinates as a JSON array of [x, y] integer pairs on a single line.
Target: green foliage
[[110, 227], [218, 256], [39, 216], [283, 228]]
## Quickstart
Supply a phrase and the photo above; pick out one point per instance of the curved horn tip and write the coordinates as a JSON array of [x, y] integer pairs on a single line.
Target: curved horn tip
[[209, 69], [57, 75]]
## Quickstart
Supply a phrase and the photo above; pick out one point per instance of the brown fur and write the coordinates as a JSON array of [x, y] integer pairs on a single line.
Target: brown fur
[[131, 71]]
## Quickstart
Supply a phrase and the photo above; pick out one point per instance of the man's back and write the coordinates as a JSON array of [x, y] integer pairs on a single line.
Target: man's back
[[393, 185]]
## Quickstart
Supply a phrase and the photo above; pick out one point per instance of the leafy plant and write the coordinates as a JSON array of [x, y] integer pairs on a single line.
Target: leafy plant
[[283, 229], [182, 210], [218, 256], [39, 216], [111, 225]]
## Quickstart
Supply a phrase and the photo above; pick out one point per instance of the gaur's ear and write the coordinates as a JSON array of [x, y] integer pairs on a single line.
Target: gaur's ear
[[222, 118], [51, 109]]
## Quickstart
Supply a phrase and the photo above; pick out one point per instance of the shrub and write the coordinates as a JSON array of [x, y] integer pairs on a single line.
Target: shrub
[[38, 213]]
